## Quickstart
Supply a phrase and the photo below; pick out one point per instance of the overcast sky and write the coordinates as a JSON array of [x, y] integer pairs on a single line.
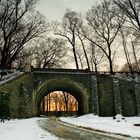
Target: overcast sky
[[54, 9]]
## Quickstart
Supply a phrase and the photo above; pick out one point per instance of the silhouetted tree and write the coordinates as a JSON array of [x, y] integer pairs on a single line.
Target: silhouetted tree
[[49, 53], [19, 24], [68, 31], [130, 9], [96, 56], [104, 26], [134, 68], [24, 59]]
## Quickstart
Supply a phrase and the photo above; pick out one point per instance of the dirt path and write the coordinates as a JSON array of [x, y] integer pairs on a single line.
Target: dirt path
[[66, 132]]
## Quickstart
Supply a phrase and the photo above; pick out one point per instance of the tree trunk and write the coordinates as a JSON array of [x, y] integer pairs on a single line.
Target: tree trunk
[[85, 53], [66, 101], [96, 69], [126, 53], [75, 58], [110, 66]]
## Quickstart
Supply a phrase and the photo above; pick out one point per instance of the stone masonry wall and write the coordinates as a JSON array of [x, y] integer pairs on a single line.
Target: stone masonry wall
[[106, 98], [117, 96], [20, 90], [105, 95], [128, 98]]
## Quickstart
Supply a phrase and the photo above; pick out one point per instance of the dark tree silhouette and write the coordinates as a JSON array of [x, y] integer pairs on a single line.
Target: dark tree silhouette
[[19, 24]]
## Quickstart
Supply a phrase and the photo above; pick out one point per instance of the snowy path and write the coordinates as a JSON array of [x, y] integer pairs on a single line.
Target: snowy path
[[68, 132], [120, 125], [26, 129]]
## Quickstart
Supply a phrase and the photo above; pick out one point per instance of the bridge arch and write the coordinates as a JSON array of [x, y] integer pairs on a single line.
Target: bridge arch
[[66, 85]]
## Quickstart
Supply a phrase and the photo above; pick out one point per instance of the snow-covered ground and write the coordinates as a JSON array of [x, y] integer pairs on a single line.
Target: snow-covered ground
[[29, 129], [120, 125], [26, 129]]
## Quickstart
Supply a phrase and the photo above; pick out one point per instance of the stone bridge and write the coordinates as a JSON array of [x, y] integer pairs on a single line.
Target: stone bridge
[[101, 94]]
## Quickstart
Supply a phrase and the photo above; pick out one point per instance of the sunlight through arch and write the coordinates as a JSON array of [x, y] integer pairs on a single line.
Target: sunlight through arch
[[59, 103]]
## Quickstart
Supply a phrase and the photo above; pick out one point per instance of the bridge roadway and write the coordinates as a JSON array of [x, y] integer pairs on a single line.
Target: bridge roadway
[[67, 132]]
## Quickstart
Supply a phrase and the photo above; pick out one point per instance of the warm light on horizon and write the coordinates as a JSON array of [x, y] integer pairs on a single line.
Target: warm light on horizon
[[59, 101]]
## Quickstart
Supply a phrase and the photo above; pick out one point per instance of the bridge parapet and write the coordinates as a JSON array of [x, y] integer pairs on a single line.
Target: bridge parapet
[[52, 70]]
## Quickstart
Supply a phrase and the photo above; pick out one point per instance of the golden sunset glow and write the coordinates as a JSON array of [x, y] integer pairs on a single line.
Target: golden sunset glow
[[59, 101]]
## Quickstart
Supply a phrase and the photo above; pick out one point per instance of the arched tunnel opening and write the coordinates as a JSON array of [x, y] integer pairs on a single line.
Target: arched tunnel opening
[[59, 103], [63, 86]]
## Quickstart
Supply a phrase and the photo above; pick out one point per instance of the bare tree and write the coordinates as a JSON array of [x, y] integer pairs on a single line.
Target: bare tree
[[71, 29], [43, 53], [131, 8], [96, 56], [66, 101], [68, 31], [19, 24], [49, 53], [126, 68], [104, 26], [80, 57], [131, 48], [135, 44], [59, 101], [24, 59], [127, 55], [82, 40]]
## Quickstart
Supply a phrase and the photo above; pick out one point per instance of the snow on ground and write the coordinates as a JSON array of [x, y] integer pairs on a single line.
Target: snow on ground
[[26, 129], [120, 125]]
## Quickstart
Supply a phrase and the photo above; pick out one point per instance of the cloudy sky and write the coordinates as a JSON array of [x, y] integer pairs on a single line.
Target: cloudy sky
[[54, 9]]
